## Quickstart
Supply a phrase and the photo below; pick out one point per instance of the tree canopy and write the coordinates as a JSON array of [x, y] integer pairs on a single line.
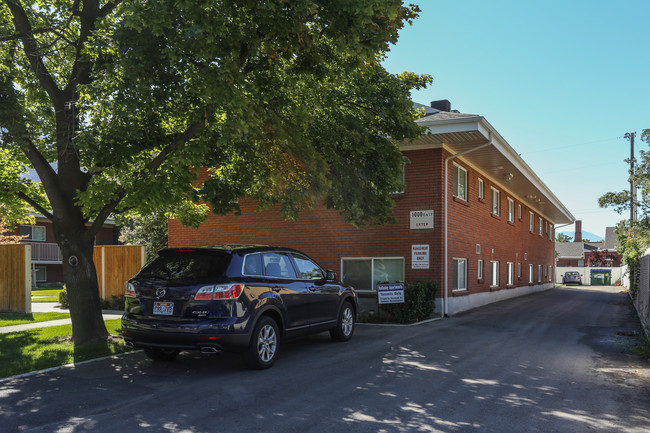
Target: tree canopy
[[116, 104]]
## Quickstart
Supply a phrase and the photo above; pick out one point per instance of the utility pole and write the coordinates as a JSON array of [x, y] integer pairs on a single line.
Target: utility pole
[[630, 136]]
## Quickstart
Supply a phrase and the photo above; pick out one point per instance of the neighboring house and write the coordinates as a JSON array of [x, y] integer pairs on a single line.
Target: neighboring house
[[46, 255], [588, 254], [473, 218]]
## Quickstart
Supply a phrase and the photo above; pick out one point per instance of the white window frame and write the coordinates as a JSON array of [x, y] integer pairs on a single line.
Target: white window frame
[[539, 273], [372, 270], [459, 271], [519, 270], [531, 222], [495, 199], [530, 273], [511, 273], [481, 189], [458, 170], [33, 230], [43, 270], [480, 269], [541, 226], [494, 273], [550, 232], [511, 210], [519, 211]]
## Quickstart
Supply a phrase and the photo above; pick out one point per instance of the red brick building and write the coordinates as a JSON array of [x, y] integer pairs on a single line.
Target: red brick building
[[483, 235]]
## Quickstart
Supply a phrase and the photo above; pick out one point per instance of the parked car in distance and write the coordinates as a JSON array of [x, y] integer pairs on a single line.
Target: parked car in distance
[[572, 277], [245, 299]]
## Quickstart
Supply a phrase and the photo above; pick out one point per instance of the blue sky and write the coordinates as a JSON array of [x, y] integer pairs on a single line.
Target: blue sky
[[562, 82]]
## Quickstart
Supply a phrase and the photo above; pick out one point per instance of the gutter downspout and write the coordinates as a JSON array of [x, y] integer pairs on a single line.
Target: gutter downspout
[[446, 249]]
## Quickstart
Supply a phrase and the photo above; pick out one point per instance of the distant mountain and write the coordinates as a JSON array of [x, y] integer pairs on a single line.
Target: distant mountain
[[585, 235]]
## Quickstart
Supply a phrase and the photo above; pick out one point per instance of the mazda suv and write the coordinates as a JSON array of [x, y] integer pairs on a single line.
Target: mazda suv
[[244, 299]]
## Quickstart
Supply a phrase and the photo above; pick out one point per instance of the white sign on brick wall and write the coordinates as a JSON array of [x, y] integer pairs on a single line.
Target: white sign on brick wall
[[419, 256], [421, 219]]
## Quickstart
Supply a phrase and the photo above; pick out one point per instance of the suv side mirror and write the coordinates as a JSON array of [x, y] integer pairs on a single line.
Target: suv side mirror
[[331, 275]]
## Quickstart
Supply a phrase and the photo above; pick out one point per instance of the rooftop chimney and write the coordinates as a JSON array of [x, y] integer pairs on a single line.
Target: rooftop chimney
[[442, 105], [578, 234]]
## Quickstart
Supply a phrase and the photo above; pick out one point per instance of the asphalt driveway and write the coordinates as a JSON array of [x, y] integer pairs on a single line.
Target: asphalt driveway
[[556, 361]]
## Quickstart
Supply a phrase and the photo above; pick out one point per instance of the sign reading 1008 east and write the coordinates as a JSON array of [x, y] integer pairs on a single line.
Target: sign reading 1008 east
[[390, 293]]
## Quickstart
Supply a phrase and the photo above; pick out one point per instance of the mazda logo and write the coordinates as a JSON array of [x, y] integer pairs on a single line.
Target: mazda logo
[[160, 293]]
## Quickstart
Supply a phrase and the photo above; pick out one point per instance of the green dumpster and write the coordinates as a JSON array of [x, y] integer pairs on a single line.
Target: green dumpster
[[601, 277]]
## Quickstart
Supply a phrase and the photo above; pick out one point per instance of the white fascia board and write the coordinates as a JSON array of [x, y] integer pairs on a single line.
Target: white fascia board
[[502, 146]]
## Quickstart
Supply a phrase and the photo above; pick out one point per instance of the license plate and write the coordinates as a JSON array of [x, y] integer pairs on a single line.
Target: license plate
[[163, 308]]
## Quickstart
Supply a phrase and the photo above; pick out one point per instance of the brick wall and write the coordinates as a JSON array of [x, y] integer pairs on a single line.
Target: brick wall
[[324, 235]]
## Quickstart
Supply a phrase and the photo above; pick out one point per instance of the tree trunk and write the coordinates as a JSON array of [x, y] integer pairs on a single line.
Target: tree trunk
[[80, 278]]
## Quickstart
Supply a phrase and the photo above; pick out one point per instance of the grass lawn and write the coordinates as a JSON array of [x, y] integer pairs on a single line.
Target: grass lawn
[[11, 319], [37, 349], [46, 295]]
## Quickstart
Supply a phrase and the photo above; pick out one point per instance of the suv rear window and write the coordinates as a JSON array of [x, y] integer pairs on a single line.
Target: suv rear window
[[187, 266]]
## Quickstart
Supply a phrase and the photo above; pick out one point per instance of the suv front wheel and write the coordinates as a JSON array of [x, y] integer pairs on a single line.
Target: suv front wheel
[[345, 324], [264, 346]]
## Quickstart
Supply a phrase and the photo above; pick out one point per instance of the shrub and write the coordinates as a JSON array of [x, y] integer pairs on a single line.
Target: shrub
[[115, 303], [419, 303], [63, 298]]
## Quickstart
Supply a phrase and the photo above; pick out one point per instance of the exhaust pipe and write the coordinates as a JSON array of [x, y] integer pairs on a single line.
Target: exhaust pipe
[[209, 350]]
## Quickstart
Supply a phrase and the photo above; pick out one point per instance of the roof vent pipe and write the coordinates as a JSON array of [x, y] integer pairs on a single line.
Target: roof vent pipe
[[442, 105]]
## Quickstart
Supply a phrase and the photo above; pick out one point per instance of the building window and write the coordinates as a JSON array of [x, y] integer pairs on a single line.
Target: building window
[[539, 273], [365, 273], [519, 211], [460, 274], [496, 201], [530, 274], [481, 189], [480, 269], [511, 274], [33, 233], [494, 274], [550, 232], [531, 222], [478, 248], [460, 182], [519, 270], [550, 273], [40, 274], [540, 226], [511, 210]]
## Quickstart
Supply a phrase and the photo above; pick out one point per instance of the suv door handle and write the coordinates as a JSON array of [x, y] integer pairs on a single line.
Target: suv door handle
[[276, 288]]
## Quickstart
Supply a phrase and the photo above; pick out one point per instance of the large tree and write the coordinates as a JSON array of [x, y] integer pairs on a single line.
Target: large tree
[[116, 104]]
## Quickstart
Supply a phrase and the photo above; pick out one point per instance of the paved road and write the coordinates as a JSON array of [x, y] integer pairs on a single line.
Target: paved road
[[551, 362]]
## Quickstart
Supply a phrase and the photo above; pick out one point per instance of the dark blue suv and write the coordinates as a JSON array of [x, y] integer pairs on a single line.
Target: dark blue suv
[[242, 299]]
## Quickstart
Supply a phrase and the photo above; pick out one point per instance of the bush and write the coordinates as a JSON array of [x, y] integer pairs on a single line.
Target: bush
[[63, 298], [115, 303], [419, 303]]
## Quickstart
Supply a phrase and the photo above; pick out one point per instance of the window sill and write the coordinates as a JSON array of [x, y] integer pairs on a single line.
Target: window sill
[[461, 201], [495, 288], [460, 292], [493, 215], [512, 223]]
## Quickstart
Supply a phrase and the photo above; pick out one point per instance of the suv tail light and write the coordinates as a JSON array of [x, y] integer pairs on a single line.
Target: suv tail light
[[229, 291], [129, 291]]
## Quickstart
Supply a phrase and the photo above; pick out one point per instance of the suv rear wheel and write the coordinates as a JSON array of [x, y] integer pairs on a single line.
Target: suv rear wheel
[[264, 346]]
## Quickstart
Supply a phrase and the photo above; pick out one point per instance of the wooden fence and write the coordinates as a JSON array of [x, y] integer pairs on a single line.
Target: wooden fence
[[115, 264], [15, 278]]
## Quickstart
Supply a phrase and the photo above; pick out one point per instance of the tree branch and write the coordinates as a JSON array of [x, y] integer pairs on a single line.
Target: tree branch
[[24, 28], [35, 205]]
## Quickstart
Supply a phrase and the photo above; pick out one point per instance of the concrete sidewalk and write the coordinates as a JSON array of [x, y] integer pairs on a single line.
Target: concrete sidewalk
[[47, 307]]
